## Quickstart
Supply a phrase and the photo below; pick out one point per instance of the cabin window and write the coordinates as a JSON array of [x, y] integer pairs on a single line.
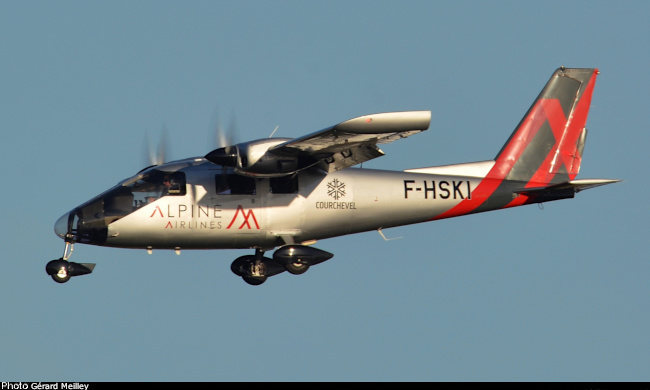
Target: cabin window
[[233, 184], [284, 184]]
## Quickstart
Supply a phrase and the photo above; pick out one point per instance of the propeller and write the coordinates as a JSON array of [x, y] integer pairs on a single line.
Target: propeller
[[225, 136], [225, 153], [153, 155]]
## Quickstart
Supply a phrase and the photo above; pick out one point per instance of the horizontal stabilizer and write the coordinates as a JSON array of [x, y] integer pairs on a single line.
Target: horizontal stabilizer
[[563, 190], [575, 185]]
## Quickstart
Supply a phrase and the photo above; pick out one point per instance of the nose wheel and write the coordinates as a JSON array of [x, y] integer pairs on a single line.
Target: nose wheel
[[61, 270], [58, 270]]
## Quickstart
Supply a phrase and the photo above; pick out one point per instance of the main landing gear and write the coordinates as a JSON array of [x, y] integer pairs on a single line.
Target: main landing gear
[[61, 270], [295, 259]]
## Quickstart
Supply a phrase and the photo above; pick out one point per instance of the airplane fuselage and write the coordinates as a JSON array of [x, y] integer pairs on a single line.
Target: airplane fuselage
[[315, 206]]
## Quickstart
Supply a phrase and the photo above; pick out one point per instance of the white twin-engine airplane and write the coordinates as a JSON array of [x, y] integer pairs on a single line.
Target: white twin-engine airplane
[[287, 193]]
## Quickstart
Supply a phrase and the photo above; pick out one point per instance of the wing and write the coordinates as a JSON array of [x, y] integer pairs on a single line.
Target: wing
[[353, 141]]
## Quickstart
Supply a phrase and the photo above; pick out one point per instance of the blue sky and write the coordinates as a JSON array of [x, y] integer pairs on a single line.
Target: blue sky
[[559, 294]]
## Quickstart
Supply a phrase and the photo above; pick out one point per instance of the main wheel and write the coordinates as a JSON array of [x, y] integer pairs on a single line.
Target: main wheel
[[241, 264], [296, 268], [254, 280]]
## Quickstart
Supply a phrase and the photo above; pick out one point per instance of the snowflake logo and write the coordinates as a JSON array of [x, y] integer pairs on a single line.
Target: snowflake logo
[[336, 189]]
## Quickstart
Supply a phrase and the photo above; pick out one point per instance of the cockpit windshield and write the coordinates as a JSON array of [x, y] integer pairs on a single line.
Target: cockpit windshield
[[89, 221]]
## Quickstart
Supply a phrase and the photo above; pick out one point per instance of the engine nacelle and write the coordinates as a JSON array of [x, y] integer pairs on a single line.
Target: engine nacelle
[[252, 158]]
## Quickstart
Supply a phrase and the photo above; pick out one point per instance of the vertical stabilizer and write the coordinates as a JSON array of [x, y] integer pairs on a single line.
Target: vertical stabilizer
[[546, 147]]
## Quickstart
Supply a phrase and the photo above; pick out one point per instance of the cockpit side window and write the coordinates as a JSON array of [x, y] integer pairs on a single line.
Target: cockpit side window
[[173, 183], [156, 184]]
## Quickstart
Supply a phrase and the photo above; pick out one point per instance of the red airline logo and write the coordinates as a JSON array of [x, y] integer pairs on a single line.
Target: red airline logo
[[246, 217]]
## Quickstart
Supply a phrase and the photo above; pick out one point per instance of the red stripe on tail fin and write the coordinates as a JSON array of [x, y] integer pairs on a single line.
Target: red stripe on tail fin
[[546, 147]]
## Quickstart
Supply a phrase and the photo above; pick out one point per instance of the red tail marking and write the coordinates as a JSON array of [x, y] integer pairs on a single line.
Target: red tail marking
[[503, 164], [517, 145], [566, 132]]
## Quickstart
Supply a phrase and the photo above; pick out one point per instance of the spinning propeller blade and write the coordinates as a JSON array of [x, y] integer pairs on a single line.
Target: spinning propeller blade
[[157, 156], [225, 138]]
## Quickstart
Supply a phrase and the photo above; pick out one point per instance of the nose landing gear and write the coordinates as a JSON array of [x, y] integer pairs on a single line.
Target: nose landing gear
[[61, 270]]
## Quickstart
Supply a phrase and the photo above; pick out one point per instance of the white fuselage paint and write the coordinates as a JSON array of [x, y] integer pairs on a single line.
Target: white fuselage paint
[[326, 205]]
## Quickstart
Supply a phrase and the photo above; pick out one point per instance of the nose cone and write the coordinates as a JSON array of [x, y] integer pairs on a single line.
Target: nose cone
[[61, 225]]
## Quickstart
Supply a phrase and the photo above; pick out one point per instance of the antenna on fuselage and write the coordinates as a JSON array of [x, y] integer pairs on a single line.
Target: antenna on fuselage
[[274, 130], [384, 237]]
